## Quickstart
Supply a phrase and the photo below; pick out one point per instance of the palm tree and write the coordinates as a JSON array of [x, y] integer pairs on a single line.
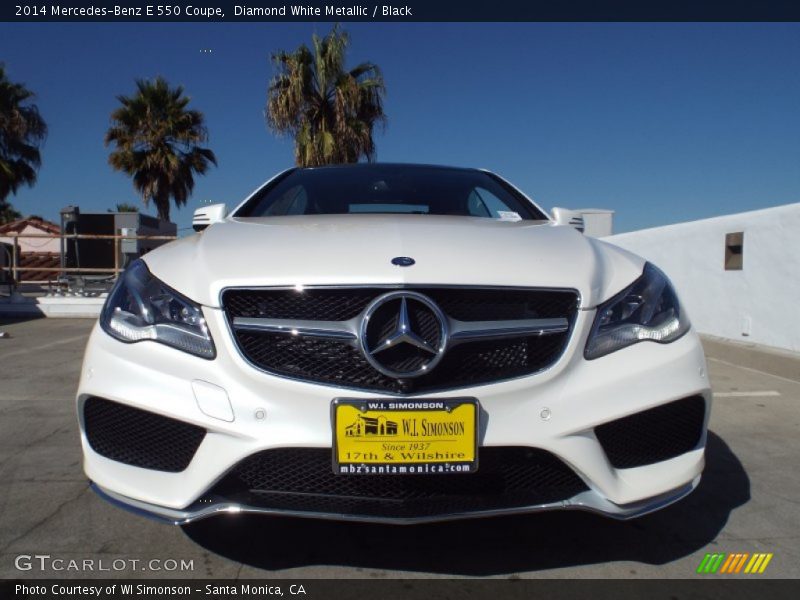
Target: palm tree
[[8, 213], [22, 132], [157, 142], [124, 207], [330, 112]]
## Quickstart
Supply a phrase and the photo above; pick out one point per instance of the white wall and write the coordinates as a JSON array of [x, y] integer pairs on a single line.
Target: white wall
[[766, 292], [34, 244]]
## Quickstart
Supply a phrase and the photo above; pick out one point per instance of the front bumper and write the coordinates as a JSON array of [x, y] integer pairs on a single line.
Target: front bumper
[[556, 410]]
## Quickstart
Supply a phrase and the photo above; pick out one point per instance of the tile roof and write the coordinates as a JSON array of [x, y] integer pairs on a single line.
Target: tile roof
[[36, 260], [20, 224]]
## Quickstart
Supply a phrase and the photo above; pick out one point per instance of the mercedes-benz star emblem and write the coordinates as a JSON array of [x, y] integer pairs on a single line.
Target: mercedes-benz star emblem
[[403, 334], [403, 261]]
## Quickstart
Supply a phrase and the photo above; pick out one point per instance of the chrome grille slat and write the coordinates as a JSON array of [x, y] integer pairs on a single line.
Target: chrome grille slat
[[461, 331], [340, 330], [483, 330]]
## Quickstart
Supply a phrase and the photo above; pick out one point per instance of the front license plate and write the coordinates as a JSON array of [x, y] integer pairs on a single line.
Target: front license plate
[[399, 437]]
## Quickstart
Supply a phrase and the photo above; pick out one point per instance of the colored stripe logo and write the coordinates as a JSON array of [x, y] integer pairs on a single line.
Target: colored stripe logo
[[734, 563]]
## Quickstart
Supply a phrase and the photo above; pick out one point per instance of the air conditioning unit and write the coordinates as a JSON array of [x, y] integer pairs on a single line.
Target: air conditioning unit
[[99, 254]]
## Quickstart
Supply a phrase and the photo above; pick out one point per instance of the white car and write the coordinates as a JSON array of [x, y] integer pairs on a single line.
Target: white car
[[394, 343]]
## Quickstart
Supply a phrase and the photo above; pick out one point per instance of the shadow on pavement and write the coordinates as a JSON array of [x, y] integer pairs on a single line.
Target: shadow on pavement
[[489, 546], [14, 319]]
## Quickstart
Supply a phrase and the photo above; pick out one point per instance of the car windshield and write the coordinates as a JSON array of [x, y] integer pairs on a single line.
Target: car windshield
[[392, 189]]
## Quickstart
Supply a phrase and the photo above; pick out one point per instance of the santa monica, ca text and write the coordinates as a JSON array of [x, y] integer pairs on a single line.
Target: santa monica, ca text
[[141, 589]]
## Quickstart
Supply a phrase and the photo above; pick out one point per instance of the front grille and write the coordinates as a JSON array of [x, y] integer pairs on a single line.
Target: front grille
[[654, 435], [338, 362], [138, 437], [302, 480]]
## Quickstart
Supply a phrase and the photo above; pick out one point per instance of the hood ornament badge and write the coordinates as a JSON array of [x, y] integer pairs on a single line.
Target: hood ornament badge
[[403, 261]]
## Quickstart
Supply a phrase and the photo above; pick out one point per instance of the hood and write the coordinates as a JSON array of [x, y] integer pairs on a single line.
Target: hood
[[358, 249]]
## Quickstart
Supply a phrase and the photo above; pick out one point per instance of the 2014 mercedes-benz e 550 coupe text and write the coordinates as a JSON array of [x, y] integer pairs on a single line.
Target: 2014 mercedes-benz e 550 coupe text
[[396, 343]]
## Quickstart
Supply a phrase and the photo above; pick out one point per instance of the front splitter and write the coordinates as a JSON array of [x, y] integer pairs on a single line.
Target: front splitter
[[589, 501]]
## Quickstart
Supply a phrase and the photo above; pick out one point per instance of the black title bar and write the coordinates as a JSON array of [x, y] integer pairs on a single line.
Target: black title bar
[[408, 11], [711, 588]]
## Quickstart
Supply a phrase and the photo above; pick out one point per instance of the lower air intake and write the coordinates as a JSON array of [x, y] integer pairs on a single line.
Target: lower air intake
[[138, 437], [654, 435], [302, 480]]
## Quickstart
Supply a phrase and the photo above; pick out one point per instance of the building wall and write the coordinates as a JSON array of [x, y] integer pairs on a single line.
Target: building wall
[[34, 244], [758, 303]]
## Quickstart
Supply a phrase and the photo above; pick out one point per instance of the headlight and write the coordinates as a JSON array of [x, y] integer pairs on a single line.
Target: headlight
[[140, 307], [647, 310]]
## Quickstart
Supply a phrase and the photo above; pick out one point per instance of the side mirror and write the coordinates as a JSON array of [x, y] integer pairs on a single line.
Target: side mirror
[[570, 218], [208, 215]]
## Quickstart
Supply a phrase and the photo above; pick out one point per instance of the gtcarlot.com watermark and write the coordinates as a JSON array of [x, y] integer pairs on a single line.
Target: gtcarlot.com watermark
[[47, 563]]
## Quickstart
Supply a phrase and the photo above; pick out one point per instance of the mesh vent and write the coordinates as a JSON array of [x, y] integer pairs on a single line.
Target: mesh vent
[[498, 305], [140, 438], [319, 304], [302, 479], [654, 435]]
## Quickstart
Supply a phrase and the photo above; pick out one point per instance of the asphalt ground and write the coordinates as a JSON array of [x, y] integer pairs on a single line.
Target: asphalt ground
[[748, 501]]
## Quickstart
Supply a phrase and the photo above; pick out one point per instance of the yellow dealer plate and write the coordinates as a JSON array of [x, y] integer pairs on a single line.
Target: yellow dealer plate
[[405, 437]]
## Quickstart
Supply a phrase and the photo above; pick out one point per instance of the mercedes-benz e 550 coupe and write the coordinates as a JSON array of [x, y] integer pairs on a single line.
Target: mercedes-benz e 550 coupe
[[396, 343]]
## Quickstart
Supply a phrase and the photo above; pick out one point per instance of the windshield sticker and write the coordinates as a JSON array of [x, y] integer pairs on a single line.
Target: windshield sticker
[[508, 215]]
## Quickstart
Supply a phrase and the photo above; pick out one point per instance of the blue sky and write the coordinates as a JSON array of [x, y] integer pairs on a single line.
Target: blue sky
[[660, 122]]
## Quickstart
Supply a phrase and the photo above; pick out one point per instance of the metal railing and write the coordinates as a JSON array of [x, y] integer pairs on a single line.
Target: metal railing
[[14, 268]]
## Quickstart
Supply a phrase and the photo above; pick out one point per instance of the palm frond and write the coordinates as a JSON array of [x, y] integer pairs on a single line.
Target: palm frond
[[331, 112], [23, 131], [157, 142]]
